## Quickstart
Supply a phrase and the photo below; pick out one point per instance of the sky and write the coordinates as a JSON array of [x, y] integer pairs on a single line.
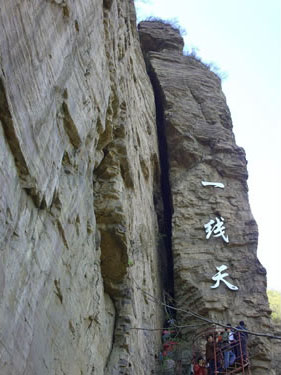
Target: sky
[[242, 38]]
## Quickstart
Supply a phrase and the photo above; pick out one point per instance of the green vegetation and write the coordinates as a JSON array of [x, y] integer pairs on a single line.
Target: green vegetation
[[130, 262], [274, 298]]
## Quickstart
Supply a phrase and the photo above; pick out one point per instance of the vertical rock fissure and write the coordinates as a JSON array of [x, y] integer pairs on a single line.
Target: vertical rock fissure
[[165, 222], [10, 132]]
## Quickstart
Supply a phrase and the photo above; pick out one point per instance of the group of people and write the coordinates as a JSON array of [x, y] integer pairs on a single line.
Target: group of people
[[229, 347], [169, 342], [223, 349]]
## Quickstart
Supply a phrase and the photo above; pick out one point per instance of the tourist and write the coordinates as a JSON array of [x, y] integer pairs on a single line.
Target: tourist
[[228, 341], [199, 368], [243, 336], [210, 354], [186, 357]]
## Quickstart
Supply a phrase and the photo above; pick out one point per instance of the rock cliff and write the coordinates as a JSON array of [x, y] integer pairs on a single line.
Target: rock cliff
[[101, 192], [79, 170], [211, 226]]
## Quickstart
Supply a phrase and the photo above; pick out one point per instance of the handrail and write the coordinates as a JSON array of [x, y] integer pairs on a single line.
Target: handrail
[[242, 363]]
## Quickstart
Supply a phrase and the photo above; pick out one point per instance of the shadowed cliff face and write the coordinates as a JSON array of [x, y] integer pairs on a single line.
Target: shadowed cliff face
[[201, 147], [79, 160]]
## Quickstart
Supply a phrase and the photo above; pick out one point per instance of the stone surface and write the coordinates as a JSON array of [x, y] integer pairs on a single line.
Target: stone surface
[[201, 147], [276, 360], [159, 37], [84, 225], [79, 162]]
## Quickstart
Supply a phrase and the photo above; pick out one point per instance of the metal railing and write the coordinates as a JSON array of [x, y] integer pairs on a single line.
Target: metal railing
[[241, 365], [179, 358]]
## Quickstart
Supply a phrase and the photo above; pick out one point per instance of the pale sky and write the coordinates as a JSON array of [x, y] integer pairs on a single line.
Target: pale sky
[[242, 37]]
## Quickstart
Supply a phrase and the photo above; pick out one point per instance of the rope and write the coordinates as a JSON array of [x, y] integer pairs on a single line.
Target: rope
[[200, 317], [169, 328]]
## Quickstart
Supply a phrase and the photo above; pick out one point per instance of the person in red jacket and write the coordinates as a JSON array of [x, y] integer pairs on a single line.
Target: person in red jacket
[[199, 368]]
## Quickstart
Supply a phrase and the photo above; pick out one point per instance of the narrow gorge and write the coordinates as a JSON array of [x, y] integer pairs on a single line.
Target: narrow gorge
[[111, 142]]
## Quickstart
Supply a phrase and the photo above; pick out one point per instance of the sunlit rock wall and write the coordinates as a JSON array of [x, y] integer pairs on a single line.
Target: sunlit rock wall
[[197, 125], [78, 171], [277, 349], [79, 177]]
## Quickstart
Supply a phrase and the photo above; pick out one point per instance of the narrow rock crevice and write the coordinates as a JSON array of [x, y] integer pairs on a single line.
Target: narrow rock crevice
[[10, 132], [70, 127], [164, 217], [13, 140]]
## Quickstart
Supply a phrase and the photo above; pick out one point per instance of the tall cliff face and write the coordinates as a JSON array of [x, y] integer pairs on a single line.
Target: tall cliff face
[[79, 164], [81, 213], [211, 226]]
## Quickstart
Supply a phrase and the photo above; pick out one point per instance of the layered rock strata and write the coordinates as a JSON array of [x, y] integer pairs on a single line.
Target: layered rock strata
[[210, 226], [78, 173], [81, 211]]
